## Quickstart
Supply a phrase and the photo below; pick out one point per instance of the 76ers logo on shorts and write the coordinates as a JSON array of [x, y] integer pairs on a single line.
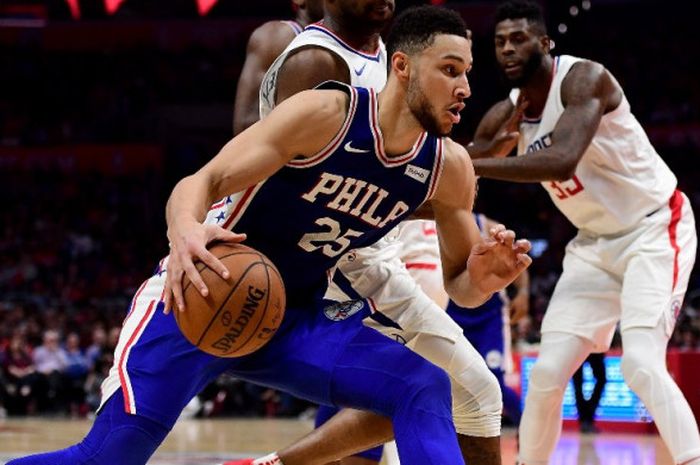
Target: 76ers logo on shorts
[[342, 310]]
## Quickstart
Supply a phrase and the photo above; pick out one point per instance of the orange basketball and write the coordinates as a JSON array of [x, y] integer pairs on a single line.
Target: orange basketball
[[241, 313]]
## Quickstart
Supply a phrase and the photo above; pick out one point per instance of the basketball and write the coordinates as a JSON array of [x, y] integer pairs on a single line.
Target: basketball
[[241, 313]]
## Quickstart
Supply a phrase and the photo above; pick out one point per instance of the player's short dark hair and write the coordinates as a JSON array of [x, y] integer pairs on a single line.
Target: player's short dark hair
[[416, 28], [522, 9]]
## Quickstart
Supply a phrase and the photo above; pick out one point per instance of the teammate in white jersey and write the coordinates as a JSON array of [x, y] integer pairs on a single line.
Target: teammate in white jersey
[[264, 45], [635, 248], [346, 46]]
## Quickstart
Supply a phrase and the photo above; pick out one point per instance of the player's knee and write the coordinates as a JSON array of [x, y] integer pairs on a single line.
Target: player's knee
[[635, 371], [491, 397], [477, 405], [547, 376]]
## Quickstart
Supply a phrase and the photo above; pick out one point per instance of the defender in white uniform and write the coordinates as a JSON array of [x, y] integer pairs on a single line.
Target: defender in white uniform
[[631, 260], [403, 311], [264, 45]]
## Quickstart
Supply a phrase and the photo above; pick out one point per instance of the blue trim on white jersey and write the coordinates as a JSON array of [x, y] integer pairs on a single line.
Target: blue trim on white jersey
[[320, 28]]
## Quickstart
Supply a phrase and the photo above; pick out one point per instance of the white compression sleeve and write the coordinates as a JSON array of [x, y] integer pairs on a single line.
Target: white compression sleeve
[[644, 370], [559, 357], [476, 395]]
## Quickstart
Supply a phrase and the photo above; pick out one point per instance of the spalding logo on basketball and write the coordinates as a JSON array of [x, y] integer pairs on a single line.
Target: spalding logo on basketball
[[241, 313]]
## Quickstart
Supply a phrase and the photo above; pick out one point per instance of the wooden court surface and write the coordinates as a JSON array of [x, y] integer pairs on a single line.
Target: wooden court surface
[[210, 442]]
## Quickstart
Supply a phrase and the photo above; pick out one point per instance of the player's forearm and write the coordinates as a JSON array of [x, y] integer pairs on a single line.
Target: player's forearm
[[464, 292], [542, 166], [189, 201], [479, 149]]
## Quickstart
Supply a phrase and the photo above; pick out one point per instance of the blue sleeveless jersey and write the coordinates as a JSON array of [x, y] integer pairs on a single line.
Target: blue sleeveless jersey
[[347, 196]]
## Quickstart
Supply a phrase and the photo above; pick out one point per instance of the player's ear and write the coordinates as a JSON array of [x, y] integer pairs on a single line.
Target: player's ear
[[547, 43], [400, 64]]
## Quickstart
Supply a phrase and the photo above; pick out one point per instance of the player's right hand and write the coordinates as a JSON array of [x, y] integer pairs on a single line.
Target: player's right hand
[[188, 243]]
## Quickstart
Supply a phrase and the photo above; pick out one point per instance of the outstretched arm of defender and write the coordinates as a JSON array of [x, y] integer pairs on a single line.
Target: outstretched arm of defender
[[588, 91], [473, 268], [302, 126]]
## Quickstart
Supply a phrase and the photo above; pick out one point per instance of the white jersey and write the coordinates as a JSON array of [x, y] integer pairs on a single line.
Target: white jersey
[[366, 70], [619, 180]]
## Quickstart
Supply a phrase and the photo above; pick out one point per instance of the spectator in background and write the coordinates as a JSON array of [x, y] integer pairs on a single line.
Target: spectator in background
[[75, 375], [98, 345], [22, 378], [93, 382], [51, 361], [587, 407]]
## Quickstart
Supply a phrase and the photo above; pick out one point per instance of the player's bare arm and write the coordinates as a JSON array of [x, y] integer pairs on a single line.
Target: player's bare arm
[[588, 92], [497, 133], [266, 43], [302, 126], [472, 268], [307, 68]]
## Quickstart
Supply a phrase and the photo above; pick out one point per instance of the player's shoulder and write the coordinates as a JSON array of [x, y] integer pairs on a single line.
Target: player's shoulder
[[458, 170], [588, 79], [328, 100], [273, 36], [585, 69], [456, 153], [314, 55]]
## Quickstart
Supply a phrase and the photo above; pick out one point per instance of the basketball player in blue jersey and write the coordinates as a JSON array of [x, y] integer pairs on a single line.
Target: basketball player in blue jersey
[[631, 260], [292, 168], [264, 45], [487, 327], [346, 46]]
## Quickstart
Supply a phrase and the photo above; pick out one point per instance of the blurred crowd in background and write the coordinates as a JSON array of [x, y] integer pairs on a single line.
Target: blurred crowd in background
[[78, 235]]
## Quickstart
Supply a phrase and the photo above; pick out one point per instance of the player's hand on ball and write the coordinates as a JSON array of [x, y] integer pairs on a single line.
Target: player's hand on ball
[[496, 262], [188, 243]]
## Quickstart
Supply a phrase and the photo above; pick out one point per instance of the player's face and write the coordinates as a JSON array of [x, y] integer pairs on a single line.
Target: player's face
[[375, 12], [519, 50], [438, 84]]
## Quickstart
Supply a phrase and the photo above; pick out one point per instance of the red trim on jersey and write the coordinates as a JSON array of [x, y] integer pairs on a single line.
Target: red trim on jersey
[[421, 266], [238, 206], [437, 169], [372, 305], [379, 139], [429, 229], [335, 142], [676, 206], [218, 204], [122, 360]]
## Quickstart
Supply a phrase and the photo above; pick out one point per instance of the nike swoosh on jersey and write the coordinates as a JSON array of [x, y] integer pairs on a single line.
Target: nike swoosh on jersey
[[361, 70], [349, 148]]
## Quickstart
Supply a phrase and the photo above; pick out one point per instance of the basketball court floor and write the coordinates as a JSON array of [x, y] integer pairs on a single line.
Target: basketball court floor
[[210, 442]]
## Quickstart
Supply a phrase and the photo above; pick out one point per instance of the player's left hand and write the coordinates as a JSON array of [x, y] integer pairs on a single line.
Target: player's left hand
[[496, 262]]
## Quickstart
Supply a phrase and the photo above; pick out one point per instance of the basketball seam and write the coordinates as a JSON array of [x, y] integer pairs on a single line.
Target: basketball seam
[[206, 266], [267, 303], [223, 303]]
